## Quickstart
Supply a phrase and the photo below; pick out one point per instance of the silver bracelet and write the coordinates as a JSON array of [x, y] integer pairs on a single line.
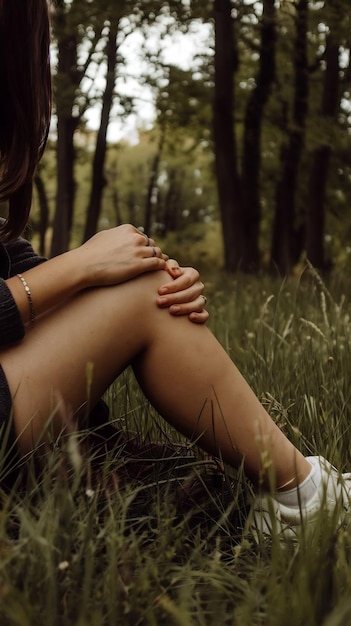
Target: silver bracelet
[[29, 296]]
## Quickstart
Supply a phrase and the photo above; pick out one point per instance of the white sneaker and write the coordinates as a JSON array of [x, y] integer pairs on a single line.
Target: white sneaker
[[333, 497]]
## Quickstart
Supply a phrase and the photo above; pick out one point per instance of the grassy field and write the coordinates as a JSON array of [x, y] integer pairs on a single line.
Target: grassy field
[[151, 541]]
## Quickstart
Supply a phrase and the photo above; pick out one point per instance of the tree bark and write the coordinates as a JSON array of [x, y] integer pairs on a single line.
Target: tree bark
[[283, 254], [66, 127], [321, 159], [251, 161], [228, 181], [66, 85]]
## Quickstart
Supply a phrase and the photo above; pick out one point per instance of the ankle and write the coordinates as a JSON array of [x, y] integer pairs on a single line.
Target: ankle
[[302, 471], [304, 491]]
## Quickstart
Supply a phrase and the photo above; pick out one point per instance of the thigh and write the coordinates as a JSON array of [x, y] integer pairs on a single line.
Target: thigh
[[69, 357]]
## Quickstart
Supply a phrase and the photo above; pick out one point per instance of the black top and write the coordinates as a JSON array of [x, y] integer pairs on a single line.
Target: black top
[[15, 257]]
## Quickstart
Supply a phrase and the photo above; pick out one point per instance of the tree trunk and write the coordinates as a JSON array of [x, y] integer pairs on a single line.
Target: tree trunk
[[321, 159], [251, 162], [66, 127], [172, 203], [116, 207], [115, 194], [98, 178], [283, 253], [228, 182], [152, 181], [131, 207], [66, 86]]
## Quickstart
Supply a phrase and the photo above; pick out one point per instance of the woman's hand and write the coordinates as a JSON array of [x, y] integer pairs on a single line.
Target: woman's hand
[[120, 254], [117, 255], [184, 294]]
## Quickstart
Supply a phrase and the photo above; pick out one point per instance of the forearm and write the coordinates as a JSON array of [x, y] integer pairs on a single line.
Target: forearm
[[109, 258], [50, 284]]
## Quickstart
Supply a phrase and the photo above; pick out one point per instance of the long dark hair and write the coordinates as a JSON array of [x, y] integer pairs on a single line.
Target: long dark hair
[[25, 104]]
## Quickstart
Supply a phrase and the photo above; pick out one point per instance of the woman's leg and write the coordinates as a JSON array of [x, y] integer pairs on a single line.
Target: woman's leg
[[180, 366]]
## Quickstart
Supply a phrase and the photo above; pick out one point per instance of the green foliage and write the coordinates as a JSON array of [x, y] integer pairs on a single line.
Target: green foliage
[[197, 245], [184, 107], [138, 552], [191, 201]]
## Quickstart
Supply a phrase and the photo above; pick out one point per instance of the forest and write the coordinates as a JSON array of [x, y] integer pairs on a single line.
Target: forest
[[252, 143], [238, 162]]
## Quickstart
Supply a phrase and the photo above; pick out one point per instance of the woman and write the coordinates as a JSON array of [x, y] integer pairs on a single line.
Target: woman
[[109, 304]]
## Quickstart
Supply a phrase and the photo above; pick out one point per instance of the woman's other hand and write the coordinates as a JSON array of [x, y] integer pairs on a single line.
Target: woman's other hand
[[184, 294]]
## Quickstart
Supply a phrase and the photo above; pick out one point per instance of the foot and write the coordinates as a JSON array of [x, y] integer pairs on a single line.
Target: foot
[[333, 497]]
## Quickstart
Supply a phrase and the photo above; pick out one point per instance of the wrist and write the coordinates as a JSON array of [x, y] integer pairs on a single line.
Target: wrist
[[82, 275]]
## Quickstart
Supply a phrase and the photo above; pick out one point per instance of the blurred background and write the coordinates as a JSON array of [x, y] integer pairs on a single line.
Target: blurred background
[[223, 128]]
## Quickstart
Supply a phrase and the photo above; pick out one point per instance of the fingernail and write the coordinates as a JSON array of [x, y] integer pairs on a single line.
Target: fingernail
[[162, 290], [175, 309], [162, 300]]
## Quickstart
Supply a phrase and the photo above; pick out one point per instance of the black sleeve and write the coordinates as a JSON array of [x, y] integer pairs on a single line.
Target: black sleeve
[[11, 325], [21, 256], [16, 257]]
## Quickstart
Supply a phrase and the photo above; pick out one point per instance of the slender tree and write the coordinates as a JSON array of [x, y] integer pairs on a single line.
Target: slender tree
[[66, 84], [228, 180], [336, 81], [315, 222], [71, 23], [152, 186], [252, 145], [98, 177], [283, 238]]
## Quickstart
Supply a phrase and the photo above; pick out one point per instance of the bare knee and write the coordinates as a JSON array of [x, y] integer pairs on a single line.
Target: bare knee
[[142, 292]]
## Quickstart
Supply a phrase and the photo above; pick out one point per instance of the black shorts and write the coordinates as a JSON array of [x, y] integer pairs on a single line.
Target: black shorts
[[5, 398], [9, 457]]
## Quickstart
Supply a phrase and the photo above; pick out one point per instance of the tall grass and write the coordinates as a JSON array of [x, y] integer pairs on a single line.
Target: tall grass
[[165, 542]]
